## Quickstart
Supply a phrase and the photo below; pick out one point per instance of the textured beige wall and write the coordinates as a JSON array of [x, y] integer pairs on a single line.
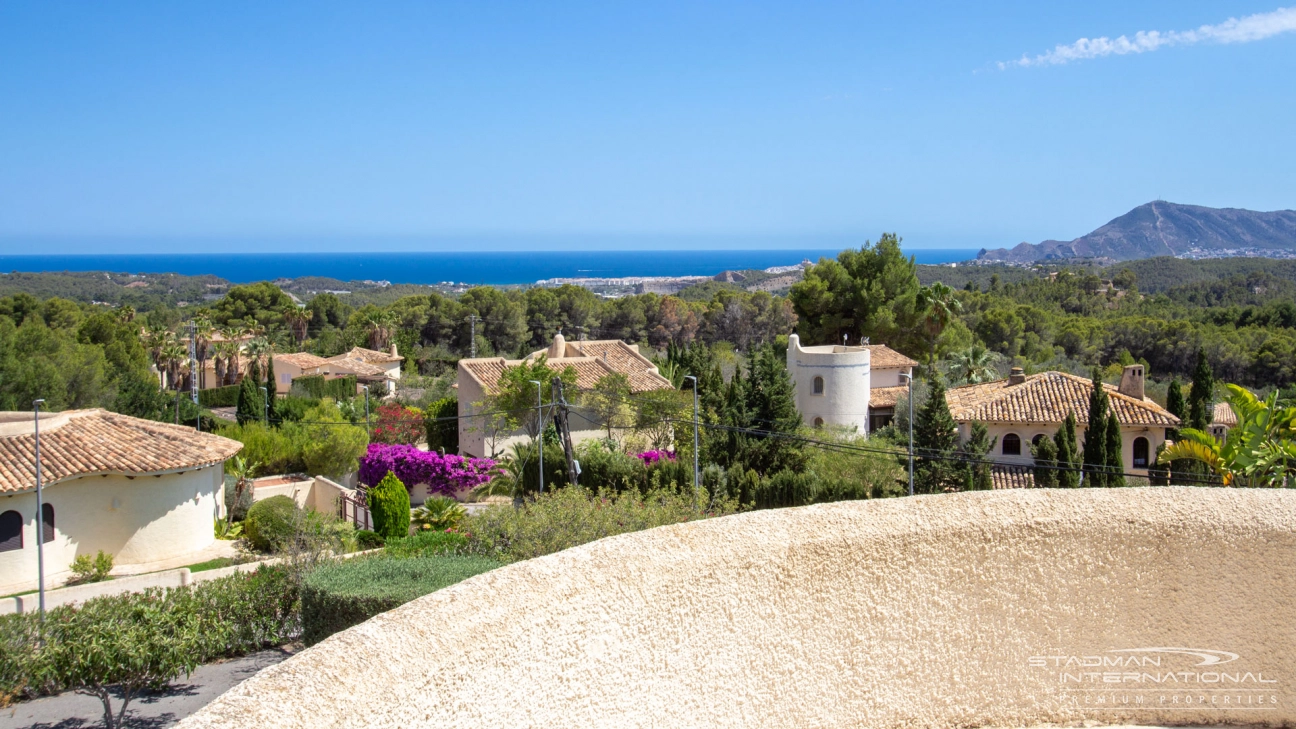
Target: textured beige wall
[[928, 611]]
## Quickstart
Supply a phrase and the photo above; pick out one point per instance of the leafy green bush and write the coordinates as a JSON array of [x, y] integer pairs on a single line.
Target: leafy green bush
[[121, 643], [219, 397], [787, 488], [439, 513], [366, 539], [291, 409], [606, 468], [91, 569], [273, 450], [427, 543], [339, 595], [442, 434], [569, 517], [270, 523], [389, 504], [315, 386]]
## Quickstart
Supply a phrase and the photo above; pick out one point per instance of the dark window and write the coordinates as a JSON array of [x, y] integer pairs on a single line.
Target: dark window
[[47, 534], [11, 528], [1011, 445], [1140, 452], [818, 385], [880, 418], [1038, 437], [818, 422]]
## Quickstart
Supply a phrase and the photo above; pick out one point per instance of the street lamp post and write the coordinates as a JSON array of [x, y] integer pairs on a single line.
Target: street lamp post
[[540, 426], [697, 480], [40, 514], [265, 406], [909, 377]]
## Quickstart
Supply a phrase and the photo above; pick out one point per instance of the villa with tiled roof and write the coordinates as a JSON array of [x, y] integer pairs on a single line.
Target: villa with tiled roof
[[854, 387], [1021, 409], [591, 360], [369, 366], [142, 491]]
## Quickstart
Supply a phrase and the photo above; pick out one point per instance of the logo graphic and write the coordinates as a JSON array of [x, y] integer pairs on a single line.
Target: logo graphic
[[1209, 657]]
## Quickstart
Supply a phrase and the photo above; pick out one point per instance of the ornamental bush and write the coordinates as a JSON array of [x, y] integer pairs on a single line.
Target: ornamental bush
[[448, 474], [442, 433], [339, 595], [389, 504], [270, 523], [395, 423]]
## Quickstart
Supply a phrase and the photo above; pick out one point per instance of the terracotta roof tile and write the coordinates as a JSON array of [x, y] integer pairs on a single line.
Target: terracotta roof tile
[[357, 367], [1222, 414], [85, 442], [603, 358], [304, 360], [883, 356], [372, 356], [886, 397], [1011, 477], [1047, 397]]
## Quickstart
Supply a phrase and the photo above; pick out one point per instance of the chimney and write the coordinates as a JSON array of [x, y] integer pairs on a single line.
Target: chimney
[[559, 347], [393, 350], [1132, 382], [1016, 376]]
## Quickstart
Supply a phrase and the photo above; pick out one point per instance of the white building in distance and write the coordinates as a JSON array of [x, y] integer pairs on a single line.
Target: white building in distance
[[852, 387]]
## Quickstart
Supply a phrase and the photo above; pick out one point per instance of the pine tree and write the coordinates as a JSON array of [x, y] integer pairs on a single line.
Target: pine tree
[[250, 405], [1095, 437], [935, 444], [771, 405], [976, 470], [1175, 404], [272, 412], [1115, 459], [1067, 459], [1045, 452], [1199, 397]]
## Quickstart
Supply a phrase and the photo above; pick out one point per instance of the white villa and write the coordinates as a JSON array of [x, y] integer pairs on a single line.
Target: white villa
[[142, 491], [851, 387], [592, 360], [1021, 409]]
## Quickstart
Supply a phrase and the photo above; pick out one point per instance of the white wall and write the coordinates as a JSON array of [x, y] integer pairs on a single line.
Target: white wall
[[1155, 437], [137, 520], [889, 376], [847, 376]]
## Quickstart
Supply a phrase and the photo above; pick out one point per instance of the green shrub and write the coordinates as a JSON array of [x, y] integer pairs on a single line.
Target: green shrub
[[569, 517], [442, 434], [607, 468], [292, 409], [219, 397], [270, 523], [366, 539], [315, 386], [91, 569], [341, 594], [787, 488], [427, 543], [439, 513], [273, 450], [389, 504]]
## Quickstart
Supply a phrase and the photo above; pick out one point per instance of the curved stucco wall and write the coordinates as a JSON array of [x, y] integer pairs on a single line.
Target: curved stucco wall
[[847, 375], [950, 610], [137, 520]]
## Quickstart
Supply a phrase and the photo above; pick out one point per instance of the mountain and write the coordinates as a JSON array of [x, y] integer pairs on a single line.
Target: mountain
[[1168, 229]]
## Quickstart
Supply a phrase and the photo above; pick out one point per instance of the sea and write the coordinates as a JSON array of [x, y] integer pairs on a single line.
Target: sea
[[431, 267]]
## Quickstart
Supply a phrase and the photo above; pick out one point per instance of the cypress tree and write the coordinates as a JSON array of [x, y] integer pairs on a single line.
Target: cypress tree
[[1199, 397], [389, 504], [1175, 404], [272, 412], [1095, 437], [771, 405], [1115, 459], [1045, 452], [1065, 440], [935, 444], [976, 470], [250, 404]]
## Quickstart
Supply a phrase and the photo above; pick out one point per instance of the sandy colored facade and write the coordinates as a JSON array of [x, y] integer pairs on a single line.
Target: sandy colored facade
[[999, 608]]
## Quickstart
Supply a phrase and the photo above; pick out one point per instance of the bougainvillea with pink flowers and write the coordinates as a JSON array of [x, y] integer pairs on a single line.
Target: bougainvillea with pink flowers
[[651, 457], [448, 474]]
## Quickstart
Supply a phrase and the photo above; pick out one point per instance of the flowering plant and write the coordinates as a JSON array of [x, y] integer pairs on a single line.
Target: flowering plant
[[651, 457], [446, 474], [397, 424]]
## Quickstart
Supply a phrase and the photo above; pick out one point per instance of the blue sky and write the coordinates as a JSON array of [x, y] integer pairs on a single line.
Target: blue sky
[[134, 126]]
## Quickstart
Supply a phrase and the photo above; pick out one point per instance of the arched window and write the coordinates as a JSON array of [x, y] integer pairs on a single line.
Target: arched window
[[818, 385], [818, 422], [1011, 445], [1140, 452], [11, 529], [1038, 437], [47, 534]]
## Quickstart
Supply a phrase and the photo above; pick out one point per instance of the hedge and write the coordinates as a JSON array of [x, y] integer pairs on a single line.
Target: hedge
[[345, 593], [219, 397], [342, 388]]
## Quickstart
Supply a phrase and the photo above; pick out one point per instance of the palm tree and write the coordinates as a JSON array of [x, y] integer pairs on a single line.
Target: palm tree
[[259, 348], [972, 365], [1258, 451], [298, 320], [154, 340], [378, 326], [220, 353], [202, 343], [233, 334], [941, 305], [171, 354]]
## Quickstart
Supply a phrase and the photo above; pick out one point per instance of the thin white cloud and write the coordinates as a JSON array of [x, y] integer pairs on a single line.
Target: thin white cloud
[[1234, 30]]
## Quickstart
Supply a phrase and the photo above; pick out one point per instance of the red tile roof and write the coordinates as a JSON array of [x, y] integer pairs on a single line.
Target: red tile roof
[[90, 442], [1047, 397], [883, 356], [593, 361], [886, 397]]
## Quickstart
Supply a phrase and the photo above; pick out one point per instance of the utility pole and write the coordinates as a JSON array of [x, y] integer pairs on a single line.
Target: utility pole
[[540, 427], [909, 377], [193, 373], [697, 476], [472, 328], [40, 515], [564, 430]]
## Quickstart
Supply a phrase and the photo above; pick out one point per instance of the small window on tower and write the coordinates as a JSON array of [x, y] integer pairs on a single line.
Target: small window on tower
[[818, 385]]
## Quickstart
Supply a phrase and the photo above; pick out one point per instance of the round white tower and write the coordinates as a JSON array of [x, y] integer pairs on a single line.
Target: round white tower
[[832, 383]]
